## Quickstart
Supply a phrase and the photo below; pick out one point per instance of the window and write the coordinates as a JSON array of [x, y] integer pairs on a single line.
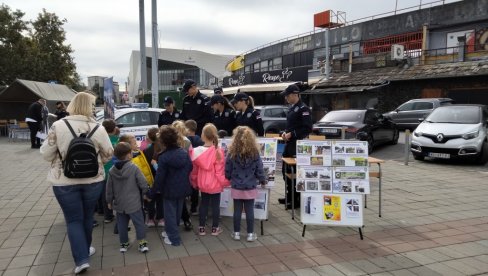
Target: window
[[135, 119], [423, 105], [275, 112], [255, 67], [264, 66], [405, 107], [277, 63]]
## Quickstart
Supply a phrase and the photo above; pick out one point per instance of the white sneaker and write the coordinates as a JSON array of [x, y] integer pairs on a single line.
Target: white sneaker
[[252, 237], [161, 223], [82, 268], [92, 251], [236, 236], [150, 223], [167, 241], [164, 234]]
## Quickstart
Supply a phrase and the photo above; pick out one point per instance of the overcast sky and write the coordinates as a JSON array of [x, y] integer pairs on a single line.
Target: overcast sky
[[104, 32]]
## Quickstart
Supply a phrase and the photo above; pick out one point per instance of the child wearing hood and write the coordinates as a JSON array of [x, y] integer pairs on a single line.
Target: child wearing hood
[[208, 176], [125, 184]]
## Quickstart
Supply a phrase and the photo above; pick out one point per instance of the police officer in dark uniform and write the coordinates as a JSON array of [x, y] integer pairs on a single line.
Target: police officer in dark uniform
[[247, 115], [196, 106], [170, 114], [224, 117], [298, 127], [218, 91]]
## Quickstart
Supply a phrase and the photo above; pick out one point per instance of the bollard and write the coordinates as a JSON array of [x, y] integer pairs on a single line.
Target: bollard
[[407, 146], [343, 133]]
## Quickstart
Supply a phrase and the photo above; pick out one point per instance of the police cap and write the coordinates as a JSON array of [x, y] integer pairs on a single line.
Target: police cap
[[187, 85], [293, 88]]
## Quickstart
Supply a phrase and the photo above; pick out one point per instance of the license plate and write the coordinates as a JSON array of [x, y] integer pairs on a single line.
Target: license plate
[[329, 130], [439, 155]]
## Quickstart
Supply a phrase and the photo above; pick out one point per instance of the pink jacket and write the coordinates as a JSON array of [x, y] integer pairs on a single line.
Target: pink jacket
[[208, 173]]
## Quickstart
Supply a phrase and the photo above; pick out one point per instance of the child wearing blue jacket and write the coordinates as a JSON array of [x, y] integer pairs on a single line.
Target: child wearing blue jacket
[[244, 169]]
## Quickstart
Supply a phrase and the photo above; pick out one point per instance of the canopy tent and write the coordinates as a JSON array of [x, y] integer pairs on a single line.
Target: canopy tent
[[16, 98]]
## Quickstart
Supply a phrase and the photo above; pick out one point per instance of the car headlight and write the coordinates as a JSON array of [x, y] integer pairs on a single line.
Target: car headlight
[[417, 134], [471, 135]]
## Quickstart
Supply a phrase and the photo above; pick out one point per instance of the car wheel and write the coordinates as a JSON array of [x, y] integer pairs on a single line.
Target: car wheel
[[370, 141], [396, 135], [482, 157], [418, 157]]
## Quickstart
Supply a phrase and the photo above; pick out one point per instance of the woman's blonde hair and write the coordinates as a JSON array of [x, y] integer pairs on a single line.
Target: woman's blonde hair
[[182, 132], [210, 133], [82, 104], [244, 144]]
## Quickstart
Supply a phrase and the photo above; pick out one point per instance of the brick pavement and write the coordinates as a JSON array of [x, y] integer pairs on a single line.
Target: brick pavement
[[434, 223]]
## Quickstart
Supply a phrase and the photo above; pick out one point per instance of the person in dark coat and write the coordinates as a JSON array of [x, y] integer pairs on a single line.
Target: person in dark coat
[[298, 127], [170, 114], [224, 117], [60, 111], [34, 121], [196, 106], [247, 116], [173, 182]]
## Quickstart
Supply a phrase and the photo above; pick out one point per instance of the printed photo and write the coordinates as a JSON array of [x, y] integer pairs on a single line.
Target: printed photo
[[304, 149], [321, 150], [338, 162], [301, 186], [350, 150], [317, 161], [338, 149], [325, 185], [261, 147], [312, 185], [270, 150], [359, 150]]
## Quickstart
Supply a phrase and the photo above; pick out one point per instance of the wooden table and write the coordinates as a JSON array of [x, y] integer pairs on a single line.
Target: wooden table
[[292, 162]]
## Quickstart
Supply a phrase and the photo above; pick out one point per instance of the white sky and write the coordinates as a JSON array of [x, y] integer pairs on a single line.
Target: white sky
[[104, 32]]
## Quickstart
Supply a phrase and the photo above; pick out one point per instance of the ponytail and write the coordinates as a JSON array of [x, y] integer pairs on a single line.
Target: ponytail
[[215, 140], [250, 102]]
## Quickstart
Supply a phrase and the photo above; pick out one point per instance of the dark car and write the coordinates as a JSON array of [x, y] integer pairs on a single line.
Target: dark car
[[362, 124], [274, 117], [409, 114]]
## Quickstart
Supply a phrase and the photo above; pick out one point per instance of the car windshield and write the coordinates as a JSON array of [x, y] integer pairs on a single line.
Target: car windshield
[[347, 116], [455, 115]]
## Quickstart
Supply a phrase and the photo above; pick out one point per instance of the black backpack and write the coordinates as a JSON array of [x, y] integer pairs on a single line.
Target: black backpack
[[81, 158]]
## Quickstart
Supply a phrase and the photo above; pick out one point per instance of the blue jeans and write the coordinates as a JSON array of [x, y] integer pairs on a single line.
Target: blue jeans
[[172, 214], [138, 221], [78, 203]]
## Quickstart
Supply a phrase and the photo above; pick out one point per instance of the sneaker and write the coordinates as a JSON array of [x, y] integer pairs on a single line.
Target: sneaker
[[82, 268], [143, 246], [150, 223], [92, 251], [95, 223], [108, 220], [161, 223], [167, 241], [164, 234], [201, 231], [236, 236], [188, 225], [124, 247], [252, 237], [216, 231]]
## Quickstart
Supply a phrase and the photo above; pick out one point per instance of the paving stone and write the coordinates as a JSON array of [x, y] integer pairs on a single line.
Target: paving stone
[[270, 268], [21, 261], [41, 270], [443, 269]]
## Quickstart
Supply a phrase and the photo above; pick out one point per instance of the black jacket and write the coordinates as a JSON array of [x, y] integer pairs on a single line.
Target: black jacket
[[225, 120], [252, 119], [166, 118], [173, 174], [35, 112], [197, 108], [299, 121]]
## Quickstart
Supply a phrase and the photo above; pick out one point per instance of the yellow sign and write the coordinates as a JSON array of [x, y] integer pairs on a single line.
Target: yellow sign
[[235, 64], [332, 208]]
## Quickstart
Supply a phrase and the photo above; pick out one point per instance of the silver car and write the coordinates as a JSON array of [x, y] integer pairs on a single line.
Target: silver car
[[453, 132]]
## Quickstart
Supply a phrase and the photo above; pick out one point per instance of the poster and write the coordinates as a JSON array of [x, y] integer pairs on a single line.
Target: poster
[[314, 153], [108, 98], [261, 204], [352, 207], [332, 208], [350, 180], [314, 179]]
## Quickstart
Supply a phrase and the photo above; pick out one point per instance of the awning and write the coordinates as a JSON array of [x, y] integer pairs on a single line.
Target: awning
[[265, 87], [346, 89]]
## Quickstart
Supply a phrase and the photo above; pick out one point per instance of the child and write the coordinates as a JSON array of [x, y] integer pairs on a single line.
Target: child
[[195, 140], [138, 157], [172, 181], [124, 185], [185, 144], [244, 169], [155, 206], [208, 176], [111, 128]]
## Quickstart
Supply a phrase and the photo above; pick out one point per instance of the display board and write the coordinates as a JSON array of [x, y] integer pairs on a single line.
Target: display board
[[332, 176], [261, 204]]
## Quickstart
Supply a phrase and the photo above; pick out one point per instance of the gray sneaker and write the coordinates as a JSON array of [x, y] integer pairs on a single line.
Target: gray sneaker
[[236, 236], [252, 237]]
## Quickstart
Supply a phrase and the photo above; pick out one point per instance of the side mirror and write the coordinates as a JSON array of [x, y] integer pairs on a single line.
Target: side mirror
[[120, 125], [421, 120], [396, 110]]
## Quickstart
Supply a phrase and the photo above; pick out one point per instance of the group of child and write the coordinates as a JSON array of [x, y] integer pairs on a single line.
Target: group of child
[[176, 164]]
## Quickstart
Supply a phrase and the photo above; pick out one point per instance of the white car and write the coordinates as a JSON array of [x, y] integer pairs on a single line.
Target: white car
[[453, 132], [135, 120]]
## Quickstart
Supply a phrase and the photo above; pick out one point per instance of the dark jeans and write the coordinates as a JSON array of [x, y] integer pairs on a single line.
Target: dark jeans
[[102, 206], [249, 209], [78, 203], [172, 215], [123, 223], [194, 200], [154, 208], [212, 200], [185, 215], [34, 128]]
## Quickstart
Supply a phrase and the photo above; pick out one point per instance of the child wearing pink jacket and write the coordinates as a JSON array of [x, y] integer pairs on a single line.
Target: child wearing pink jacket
[[208, 176]]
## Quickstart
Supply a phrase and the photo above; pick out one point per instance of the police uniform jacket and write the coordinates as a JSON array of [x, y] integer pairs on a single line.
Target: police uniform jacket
[[197, 108], [166, 118], [225, 120], [252, 119], [299, 121]]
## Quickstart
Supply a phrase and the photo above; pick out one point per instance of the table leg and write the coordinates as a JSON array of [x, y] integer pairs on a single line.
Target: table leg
[[286, 197], [292, 193], [379, 186]]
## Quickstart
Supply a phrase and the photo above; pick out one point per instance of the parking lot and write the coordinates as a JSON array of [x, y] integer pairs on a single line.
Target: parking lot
[[434, 223]]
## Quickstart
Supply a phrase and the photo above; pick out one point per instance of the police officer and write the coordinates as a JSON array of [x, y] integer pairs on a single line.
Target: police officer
[[298, 127], [247, 115], [170, 114], [224, 117], [196, 106], [218, 91]]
